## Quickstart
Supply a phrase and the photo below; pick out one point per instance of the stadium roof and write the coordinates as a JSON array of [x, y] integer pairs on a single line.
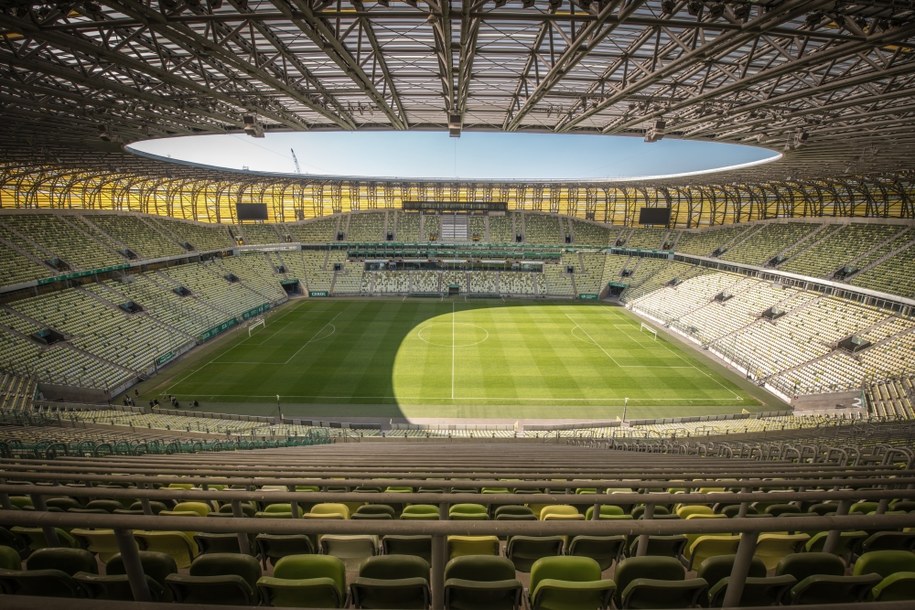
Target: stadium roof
[[830, 82]]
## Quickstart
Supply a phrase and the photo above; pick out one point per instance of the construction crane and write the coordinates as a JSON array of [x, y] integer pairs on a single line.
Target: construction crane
[[295, 160]]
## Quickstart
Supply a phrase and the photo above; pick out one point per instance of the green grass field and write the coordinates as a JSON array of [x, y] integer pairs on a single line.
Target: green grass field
[[454, 359]]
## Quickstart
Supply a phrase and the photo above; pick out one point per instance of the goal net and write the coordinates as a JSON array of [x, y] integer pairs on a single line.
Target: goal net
[[645, 328], [253, 324]]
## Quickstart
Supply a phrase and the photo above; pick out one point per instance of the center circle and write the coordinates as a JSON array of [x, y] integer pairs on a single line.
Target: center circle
[[463, 334]]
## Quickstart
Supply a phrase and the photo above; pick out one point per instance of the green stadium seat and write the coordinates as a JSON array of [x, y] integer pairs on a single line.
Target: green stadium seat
[[607, 511], [605, 550], [481, 582], [458, 546], [523, 551], [568, 583], [180, 545], [102, 542], [49, 572], [272, 547], [218, 578], [392, 581], [757, 591], [311, 581], [772, 547], [427, 512], [468, 511], [419, 545], [115, 584]]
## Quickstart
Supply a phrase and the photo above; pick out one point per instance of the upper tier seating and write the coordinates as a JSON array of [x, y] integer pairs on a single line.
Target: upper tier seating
[[256, 233], [202, 237], [764, 242], [841, 248], [137, 234], [586, 233], [893, 275], [67, 237], [542, 229], [366, 227], [707, 241], [318, 231], [871, 255]]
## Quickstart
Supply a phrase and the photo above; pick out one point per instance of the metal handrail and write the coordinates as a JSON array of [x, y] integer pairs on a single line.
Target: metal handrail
[[748, 528]]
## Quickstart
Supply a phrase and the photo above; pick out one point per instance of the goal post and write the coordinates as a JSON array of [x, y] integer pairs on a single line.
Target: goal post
[[255, 323], [645, 328]]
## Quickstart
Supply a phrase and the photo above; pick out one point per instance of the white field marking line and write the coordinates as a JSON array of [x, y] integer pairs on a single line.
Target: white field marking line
[[315, 337], [625, 330], [474, 398], [419, 335], [606, 353], [201, 367], [452, 350], [628, 366], [277, 321], [733, 393]]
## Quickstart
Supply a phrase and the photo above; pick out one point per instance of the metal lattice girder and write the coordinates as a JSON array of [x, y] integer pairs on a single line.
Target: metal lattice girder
[[831, 83]]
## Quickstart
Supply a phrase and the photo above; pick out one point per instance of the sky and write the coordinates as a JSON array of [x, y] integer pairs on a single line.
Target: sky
[[475, 155]]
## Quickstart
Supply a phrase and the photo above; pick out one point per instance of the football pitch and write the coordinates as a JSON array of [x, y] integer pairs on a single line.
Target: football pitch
[[426, 358]]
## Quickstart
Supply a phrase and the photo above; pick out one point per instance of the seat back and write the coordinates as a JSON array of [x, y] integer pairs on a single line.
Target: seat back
[[606, 510], [469, 511], [313, 581], [647, 567], [384, 510], [568, 583], [802, 565], [603, 549], [43, 582], [658, 593], [523, 551], [560, 511], [472, 545], [889, 541], [201, 508], [708, 546], [420, 511], [481, 582], [180, 545], [218, 578], [771, 547], [718, 567], [69, 561], [419, 545], [480, 567], [272, 547], [564, 568], [667, 545], [329, 510], [896, 587], [9, 558], [884, 563], [155, 565], [392, 581], [830, 589], [100, 541], [757, 590]]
